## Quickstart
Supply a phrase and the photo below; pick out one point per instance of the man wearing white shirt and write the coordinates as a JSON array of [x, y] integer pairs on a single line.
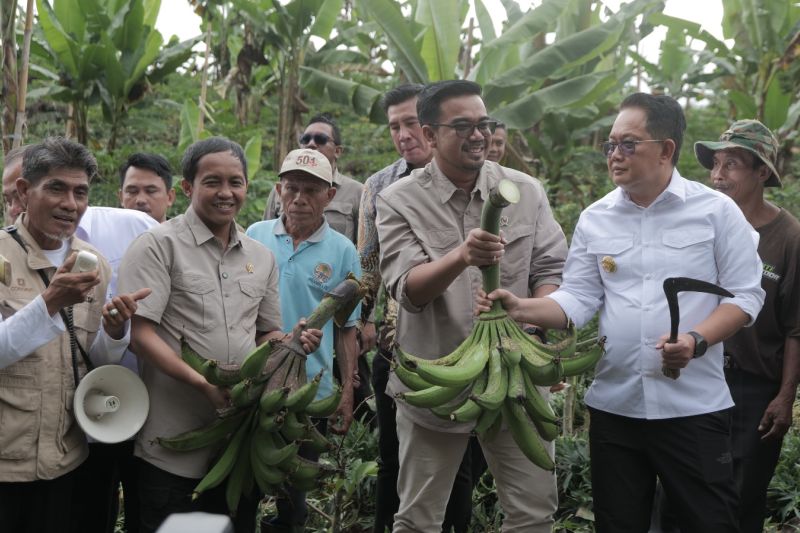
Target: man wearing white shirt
[[656, 225], [49, 315]]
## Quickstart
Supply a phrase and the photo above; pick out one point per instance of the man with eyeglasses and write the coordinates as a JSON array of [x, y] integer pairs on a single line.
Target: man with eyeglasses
[[431, 247], [647, 422], [322, 134]]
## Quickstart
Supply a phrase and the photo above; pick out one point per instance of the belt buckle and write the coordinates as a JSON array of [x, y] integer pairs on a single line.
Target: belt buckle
[[728, 362]]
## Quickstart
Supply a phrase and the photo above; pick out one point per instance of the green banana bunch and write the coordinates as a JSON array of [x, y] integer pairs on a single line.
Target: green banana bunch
[[494, 374], [260, 435]]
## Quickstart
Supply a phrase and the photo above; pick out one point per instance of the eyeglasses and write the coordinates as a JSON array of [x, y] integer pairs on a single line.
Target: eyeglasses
[[465, 129], [320, 139], [628, 148]]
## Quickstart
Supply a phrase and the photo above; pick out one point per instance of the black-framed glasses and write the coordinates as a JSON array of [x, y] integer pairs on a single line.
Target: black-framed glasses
[[628, 148], [465, 129], [320, 139]]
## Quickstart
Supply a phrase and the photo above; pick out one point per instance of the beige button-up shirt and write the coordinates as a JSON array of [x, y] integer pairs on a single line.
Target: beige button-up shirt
[[215, 299], [423, 217], [341, 213]]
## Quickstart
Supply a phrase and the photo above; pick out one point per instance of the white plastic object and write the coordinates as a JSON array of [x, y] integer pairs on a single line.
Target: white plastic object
[[85, 262]]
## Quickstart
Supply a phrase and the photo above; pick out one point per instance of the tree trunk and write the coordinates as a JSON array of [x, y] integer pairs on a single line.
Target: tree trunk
[[287, 114], [8, 92], [22, 86], [204, 82]]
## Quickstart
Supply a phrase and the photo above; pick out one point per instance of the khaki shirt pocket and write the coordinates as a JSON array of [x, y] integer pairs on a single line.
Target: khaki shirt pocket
[[70, 434], [340, 218], [689, 250], [516, 261], [192, 301], [617, 262], [437, 242], [20, 412], [87, 319], [252, 295]]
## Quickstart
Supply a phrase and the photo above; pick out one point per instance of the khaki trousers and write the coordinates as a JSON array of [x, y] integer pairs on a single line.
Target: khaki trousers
[[429, 461]]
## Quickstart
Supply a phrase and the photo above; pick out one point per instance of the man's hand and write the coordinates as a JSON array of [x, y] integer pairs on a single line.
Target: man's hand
[[482, 248], [66, 288], [676, 354], [367, 337], [343, 417], [219, 397], [119, 310], [510, 302], [309, 338], [777, 418]]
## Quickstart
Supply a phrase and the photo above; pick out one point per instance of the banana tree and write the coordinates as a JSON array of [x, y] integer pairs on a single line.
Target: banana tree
[[8, 60], [106, 53]]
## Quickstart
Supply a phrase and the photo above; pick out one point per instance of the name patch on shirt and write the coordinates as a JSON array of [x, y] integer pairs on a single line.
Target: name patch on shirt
[[770, 274]]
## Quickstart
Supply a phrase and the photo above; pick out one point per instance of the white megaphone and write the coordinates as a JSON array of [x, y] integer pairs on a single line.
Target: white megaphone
[[111, 404]]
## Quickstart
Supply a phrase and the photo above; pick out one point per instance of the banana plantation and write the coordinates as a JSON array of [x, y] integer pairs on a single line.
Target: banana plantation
[[555, 72]]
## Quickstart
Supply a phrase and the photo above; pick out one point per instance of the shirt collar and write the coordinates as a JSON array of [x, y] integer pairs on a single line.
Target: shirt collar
[[84, 228], [445, 189], [676, 188], [201, 232], [280, 229]]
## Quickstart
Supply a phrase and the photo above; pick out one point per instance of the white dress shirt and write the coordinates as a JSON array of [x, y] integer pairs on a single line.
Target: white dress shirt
[[620, 255], [111, 230]]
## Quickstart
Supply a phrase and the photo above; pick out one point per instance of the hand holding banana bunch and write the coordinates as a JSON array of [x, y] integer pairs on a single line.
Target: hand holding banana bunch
[[492, 376], [272, 403]]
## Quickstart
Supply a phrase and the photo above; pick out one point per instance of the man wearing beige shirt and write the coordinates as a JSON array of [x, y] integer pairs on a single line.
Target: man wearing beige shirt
[[430, 246], [215, 288]]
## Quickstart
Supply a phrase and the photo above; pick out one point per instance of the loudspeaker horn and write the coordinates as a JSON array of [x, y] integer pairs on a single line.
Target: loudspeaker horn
[[111, 404]]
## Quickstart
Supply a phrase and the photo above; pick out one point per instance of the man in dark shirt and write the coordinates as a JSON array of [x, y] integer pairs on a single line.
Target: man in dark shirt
[[762, 362]]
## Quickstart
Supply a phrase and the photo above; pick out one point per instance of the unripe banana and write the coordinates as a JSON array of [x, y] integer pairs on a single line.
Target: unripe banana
[[469, 409], [547, 430], [536, 406], [271, 452], [234, 486], [458, 375], [225, 464], [223, 374], [526, 436], [299, 399], [196, 439], [516, 386], [254, 362], [430, 397], [316, 440], [497, 384], [325, 407], [581, 362], [267, 477], [485, 421], [246, 392], [410, 379], [293, 429], [273, 400], [271, 422], [547, 375]]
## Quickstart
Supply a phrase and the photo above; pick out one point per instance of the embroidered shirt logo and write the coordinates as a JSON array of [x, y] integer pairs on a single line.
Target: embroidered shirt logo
[[322, 273]]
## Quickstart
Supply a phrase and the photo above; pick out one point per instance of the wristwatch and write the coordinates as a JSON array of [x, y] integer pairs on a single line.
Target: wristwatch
[[700, 344]]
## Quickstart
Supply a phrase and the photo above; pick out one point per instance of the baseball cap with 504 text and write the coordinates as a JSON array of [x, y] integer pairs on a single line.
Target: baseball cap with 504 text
[[308, 161]]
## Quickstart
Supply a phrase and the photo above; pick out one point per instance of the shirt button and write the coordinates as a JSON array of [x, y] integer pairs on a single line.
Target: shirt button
[[226, 295], [291, 259], [224, 275]]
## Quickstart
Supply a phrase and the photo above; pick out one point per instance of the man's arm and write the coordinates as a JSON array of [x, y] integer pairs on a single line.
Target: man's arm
[[26, 331], [346, 357], [146, 343], [723, 322], [777, 417]]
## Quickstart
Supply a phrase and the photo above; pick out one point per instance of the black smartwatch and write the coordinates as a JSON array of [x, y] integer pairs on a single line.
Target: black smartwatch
[[700, 344]]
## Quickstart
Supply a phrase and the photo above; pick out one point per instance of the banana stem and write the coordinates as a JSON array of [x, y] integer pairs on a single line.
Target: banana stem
[[501, 196]]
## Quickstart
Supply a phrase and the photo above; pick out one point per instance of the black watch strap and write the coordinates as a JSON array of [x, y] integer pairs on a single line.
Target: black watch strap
[[700, 344]]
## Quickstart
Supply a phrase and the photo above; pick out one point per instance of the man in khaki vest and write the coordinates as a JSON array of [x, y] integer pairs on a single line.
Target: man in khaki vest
[[50, 328]]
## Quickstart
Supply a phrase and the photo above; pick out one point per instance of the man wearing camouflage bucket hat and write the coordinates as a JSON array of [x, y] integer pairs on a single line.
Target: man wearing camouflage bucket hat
[[762, 362]]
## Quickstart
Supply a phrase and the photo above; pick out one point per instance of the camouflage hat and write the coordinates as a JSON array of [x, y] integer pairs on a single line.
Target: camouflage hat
[[750, 135]]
